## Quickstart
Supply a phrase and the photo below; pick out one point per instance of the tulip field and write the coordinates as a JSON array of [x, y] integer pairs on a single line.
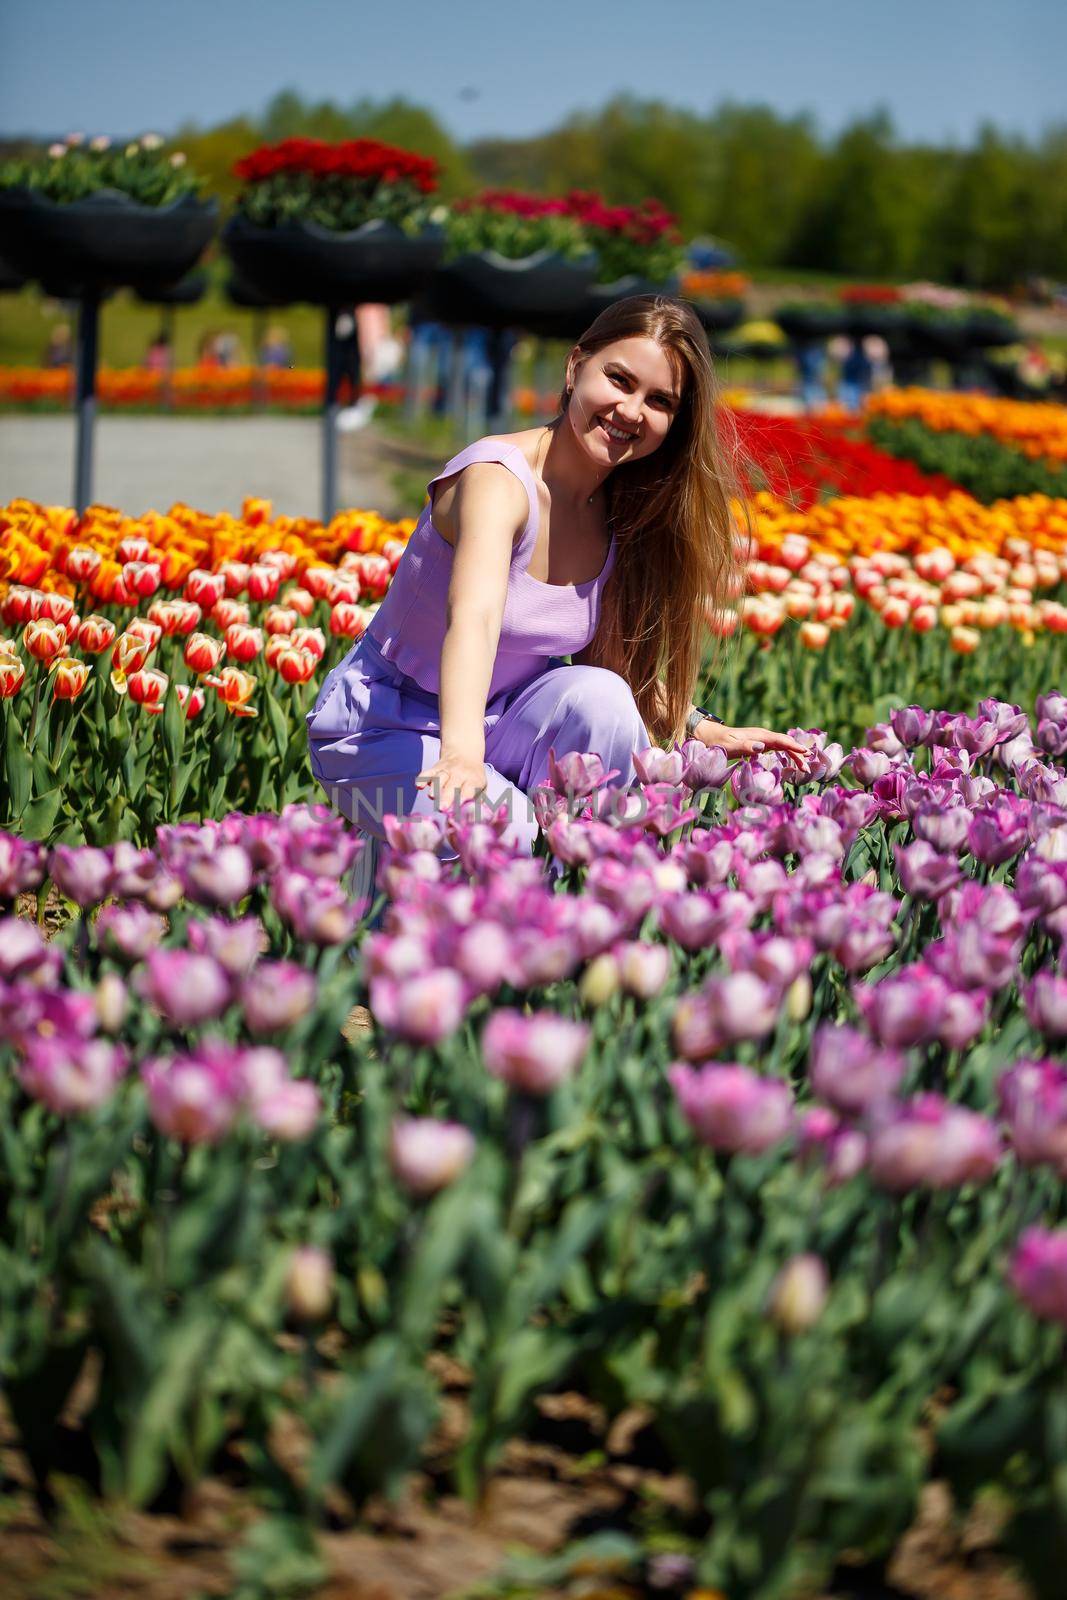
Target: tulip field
[[707, 1165]]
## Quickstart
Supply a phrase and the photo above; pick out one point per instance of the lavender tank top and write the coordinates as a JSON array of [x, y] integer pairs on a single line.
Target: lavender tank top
[[540, 620]]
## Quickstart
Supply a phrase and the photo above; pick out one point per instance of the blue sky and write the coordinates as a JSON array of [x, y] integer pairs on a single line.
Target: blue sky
[[127, 66]]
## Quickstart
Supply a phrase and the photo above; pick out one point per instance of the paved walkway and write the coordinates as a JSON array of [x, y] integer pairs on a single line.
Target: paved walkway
[[144, 463]]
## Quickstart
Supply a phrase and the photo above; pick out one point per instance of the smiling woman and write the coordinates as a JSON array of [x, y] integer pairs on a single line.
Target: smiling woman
[[603, 536]]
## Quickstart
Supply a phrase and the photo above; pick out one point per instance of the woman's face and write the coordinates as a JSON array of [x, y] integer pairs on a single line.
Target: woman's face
[[624, 399]]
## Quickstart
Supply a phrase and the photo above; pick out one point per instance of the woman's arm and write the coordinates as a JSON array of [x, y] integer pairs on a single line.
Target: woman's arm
[[485, 511]]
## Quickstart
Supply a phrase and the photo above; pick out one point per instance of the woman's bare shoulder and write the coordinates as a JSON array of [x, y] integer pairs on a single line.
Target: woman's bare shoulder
[[469, 486]]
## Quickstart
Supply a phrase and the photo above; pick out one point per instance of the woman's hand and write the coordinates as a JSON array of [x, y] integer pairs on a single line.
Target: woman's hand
[[738, 742], [452, 772]]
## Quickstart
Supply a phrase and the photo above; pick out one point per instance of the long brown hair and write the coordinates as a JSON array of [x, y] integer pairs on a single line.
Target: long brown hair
[[672, 516]]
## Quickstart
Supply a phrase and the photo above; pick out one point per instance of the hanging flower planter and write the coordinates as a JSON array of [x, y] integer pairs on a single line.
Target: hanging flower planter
[[104, 241], [305, 261], [806, 323], [540, 291], [188, 291], [991, 330], [719, 316]]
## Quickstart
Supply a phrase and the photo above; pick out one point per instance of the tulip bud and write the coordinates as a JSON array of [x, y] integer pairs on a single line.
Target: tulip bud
[[798, 998], [112, 1002], [427, 1155], [600, 981], [309, 1283], [798, 1294]]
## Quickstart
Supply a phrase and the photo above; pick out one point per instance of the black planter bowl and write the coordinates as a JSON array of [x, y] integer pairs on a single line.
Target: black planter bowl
[[302, 261], [240, 293], [572, 322], [719, 316], [990, 332], [106, 241], [863, 321], [540, 293], [804, 324], [947, 337], [10, 280], [186, 292]]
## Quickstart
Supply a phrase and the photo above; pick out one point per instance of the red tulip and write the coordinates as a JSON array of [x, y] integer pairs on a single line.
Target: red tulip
[[69, 679], [244, 643], [45, 640], [346, 620], [147, 686]]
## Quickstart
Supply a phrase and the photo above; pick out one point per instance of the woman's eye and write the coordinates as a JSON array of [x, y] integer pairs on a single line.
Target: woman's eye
[[616, 377]]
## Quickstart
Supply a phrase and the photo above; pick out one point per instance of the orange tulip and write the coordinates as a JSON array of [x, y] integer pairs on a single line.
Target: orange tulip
[[814, 635], [235, 688], [965, 641]]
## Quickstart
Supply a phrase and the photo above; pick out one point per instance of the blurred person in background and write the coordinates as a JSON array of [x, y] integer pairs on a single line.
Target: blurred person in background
[[276, 350], [811, 370], [857, 371], [158, 356], [207, 354], [58, 352]]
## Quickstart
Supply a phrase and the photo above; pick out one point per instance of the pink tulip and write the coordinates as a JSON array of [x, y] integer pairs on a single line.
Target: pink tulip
[[1033, 1103], [732, 1108], [184, 987], [852, 1073], [643, 968], [70, 1074], [427, 1155], [24, 954], [290, 1112], [275, 995], [1039, 1273], [1045, 998], [425, 1008], [128, 931], [533, 1053], [83, 875], [928, 1142], [236, 946], [196, 1097]]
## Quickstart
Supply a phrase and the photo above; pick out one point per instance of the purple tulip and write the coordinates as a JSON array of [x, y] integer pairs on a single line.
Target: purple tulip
[[643, 968], [427, 1155], [570, 841], [1033, 1103], [236, 946], [70, 1074], [912, 725], [405, 834], [575, 774], [942, 827], [533, 1053], [185, 988], [706, 766], [963, 1018], [218, 877], [24, 954], [698, 920], [868, 765], [889, 792], [659, 766], [756, 782], [133, 871], [881, 737], [973, 958], [850, 1071], [323, 850], [771, 956], [1045, 998], [319, 911], [744, 1006], [1039, 1273], [83, 875], [424, 1008], [128, 931], [483, 956], [840, 1147], [29, 1010], [275, 994], [22, 866], [924, 874], [930, 1143], [997, 833], [731, 1108], [904, 1009], [195, 1097], [761, 881], [290, 1113]]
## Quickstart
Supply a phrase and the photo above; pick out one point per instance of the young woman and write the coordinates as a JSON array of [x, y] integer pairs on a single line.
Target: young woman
[[603, 536]]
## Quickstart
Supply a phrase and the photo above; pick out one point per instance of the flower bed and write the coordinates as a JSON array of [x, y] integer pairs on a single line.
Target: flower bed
[[751, 1120], [993, 448], [186, 389]]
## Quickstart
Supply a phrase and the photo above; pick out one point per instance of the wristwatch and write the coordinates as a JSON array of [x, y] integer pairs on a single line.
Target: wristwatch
[[697, 715]]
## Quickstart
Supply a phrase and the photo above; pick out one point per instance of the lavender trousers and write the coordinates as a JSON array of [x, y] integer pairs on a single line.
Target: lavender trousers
[[372, 730]]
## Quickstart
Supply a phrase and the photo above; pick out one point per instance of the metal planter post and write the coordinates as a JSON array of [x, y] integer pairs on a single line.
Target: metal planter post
[[85, 399]]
